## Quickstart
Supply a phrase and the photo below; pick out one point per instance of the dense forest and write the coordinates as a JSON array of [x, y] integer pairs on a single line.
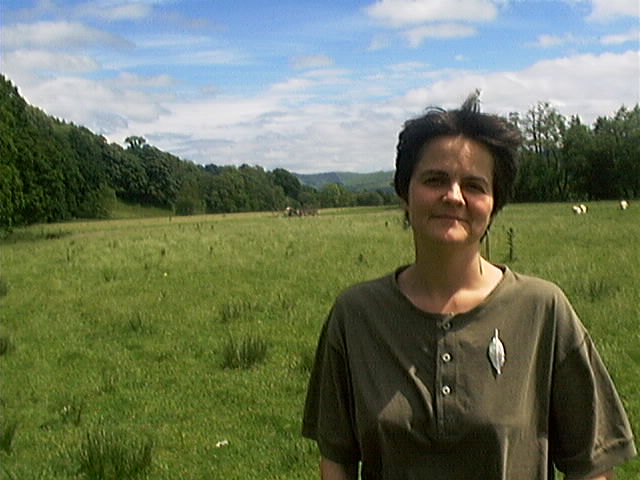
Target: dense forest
[[51, 170]]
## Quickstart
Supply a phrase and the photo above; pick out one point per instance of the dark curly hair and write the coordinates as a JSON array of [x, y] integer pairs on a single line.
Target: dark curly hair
[[496, 133]]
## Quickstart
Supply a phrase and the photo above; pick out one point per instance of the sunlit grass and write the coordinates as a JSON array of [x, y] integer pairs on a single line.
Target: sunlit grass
[[123, 325]]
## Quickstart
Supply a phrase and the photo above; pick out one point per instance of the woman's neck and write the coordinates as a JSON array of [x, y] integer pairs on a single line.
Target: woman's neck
[[448, 280]]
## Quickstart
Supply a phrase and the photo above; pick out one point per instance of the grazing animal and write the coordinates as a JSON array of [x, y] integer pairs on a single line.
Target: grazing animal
[[576, 209], [583, 208], [300, 212], [624, 204]]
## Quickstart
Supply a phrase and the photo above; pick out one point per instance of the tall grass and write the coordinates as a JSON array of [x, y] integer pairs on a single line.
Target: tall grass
[[124, 326]]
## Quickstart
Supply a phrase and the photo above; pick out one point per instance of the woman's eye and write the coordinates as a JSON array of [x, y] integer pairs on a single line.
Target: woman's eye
[[477, 187]]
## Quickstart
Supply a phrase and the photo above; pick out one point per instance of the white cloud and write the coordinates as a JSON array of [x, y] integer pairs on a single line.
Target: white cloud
[[172, 41], [605, 10], [632, 35], [132, 80], [203, 57], [293, 85], [409, 12], [115, 11], [443, 30], [546, 41], [572, 84], [57, 35], [100, 106], [187, 49], [312, 61], [408, 67], [379, 42], [42, 60]]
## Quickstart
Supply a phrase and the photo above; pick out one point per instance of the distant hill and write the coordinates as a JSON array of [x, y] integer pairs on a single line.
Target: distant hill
[[356, 182]]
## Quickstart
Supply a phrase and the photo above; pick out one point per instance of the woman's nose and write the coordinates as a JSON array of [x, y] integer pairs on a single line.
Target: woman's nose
[[454, 194]]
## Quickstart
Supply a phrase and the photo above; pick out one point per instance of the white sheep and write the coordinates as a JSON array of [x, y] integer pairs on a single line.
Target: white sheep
[[583, 208], [624, 204], [576, 209]]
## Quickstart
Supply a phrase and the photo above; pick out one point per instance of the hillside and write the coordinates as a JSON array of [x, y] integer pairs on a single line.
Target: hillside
[[356, 182]]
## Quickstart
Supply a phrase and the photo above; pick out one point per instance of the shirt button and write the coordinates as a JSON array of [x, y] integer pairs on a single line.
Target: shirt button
[[446, 390], [446, 358], [446, 325]]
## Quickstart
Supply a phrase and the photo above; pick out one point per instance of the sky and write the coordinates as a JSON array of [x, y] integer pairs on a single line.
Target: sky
[[311, 86]]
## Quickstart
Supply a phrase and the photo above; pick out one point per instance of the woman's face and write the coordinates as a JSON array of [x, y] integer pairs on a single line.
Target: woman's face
[[450, 196]]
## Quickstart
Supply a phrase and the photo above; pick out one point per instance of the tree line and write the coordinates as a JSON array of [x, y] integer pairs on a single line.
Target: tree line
[[51, 170], [566, 160]]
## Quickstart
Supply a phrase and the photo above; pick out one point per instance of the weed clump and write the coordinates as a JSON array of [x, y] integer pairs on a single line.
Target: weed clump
[[235, 310], [244, 354], [5, 345], [595, 289], [139, 323], [306, 361], [111, 455], [70, 412], [4, 287], [7, 433]]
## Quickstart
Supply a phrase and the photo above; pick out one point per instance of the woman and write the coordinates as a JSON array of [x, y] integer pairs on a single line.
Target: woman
[[452, 367]]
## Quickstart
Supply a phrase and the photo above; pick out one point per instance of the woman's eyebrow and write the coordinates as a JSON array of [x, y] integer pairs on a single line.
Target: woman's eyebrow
[[433, 171], [444, 173]]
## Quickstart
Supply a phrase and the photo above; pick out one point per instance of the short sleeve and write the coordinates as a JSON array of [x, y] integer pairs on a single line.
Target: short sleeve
[[329, 409], [589, 431]]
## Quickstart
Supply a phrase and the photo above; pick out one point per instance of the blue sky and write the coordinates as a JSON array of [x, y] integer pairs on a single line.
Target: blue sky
[[311, 86]]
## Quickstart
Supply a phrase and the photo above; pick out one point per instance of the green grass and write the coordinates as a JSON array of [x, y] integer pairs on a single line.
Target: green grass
[[127, 326], [122, 210]]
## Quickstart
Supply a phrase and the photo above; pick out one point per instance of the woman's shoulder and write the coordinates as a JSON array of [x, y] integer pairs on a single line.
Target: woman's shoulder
[[369, 288], [526, 284]]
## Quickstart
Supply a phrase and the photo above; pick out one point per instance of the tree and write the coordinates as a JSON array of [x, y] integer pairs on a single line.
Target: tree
[[577, 143], [289, 183], [189, 199], [369, 198], [135, 142], [335, 195], [544, 129]]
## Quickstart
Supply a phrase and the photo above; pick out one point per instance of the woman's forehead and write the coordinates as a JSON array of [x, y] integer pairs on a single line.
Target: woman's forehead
[[456, 154]]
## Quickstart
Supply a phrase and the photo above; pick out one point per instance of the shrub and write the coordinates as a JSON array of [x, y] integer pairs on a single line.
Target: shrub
[[244, 354], [107, 455]]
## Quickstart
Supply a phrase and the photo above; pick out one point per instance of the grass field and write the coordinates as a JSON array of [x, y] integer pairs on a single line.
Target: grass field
[[185, 343]]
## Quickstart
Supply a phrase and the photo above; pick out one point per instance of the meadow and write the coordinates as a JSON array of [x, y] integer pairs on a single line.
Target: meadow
[[179, 347]]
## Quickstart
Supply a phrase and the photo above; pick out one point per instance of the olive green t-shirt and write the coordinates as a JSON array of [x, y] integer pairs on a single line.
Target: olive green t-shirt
[[414, 395]]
